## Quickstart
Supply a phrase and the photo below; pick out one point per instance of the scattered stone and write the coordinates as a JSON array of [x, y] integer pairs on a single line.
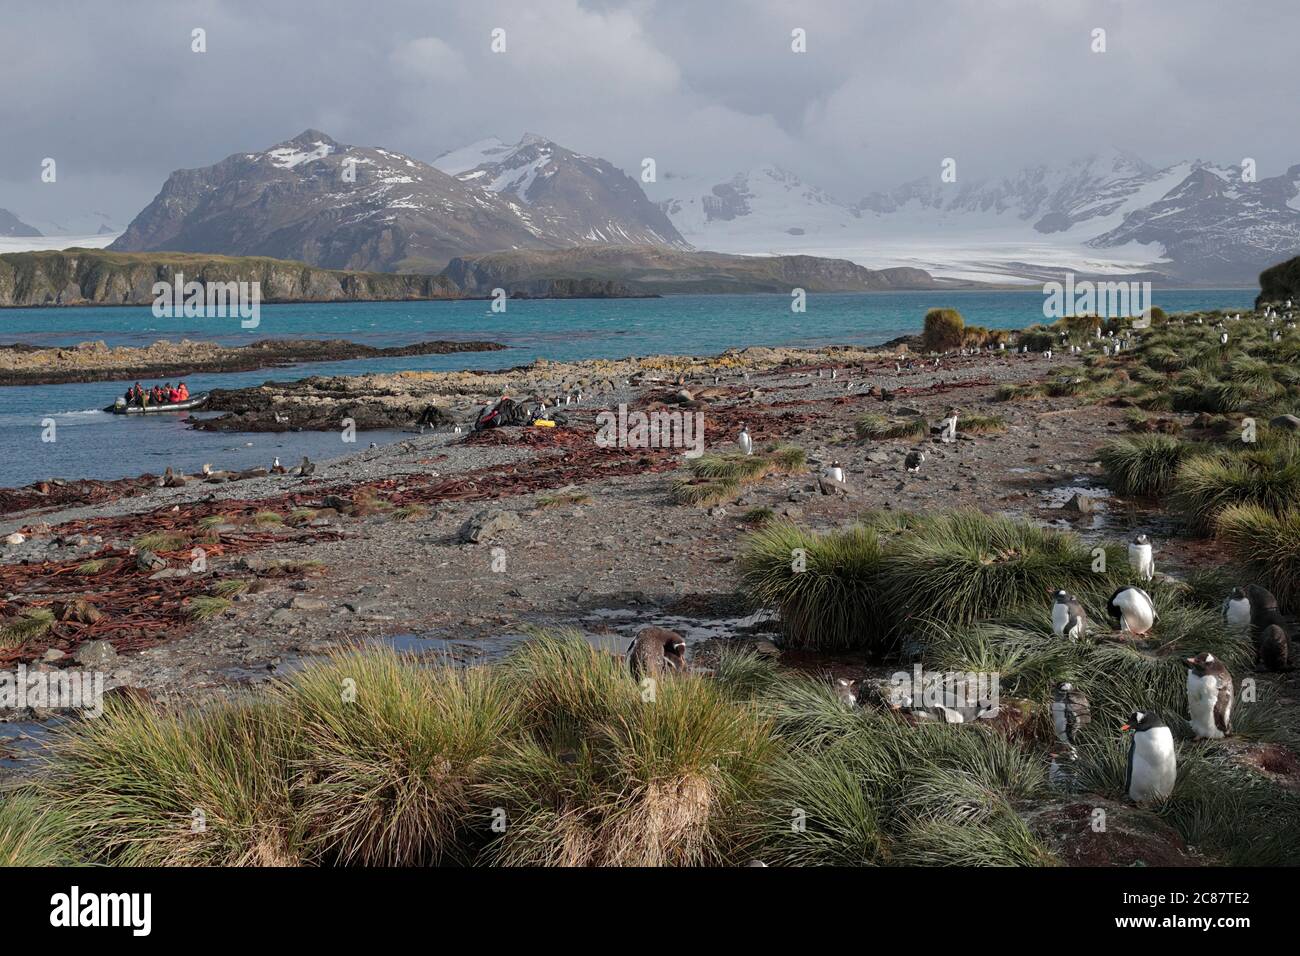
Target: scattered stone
[[169, 573], [1290, 422], [1080, 504], [148, 561], [53, 654], [15, 539], [304, 603], [487, 524], [96, 655]]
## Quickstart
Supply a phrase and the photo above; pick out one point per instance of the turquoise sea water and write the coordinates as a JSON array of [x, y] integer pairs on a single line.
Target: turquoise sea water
[[90, 443]]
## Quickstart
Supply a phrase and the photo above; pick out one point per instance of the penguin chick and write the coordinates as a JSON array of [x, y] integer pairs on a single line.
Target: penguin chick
[[1140, 558], [654, 650]]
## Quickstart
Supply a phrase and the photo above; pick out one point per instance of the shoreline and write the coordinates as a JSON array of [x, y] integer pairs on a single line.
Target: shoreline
[[22, 365]]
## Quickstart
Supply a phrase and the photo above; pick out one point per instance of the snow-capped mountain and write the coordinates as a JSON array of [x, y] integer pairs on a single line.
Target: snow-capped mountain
[[12, 226], [566, 195], [353, 207], [1112, 212]]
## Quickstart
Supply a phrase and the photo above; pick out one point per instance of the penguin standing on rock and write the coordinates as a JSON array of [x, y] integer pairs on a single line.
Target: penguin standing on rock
[[1069, 619], [1140, 558], [1236, 609], [1133, 609], [835, 472], [744, 441], [655, 650], [1209, 696], [1070, 713], [1152, 761]]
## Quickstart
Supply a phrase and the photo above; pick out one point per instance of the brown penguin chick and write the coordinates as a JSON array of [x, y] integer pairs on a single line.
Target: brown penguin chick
[[1274, 650], [654, 650]]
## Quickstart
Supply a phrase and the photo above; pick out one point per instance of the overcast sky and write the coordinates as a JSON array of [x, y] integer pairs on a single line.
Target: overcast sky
[[114, 94]]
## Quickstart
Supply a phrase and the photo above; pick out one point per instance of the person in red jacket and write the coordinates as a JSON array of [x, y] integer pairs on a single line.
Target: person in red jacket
[[173, 394], [184, 390]]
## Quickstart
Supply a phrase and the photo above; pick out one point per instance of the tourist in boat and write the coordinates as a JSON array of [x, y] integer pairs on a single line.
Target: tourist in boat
[[173, 394], [184, 391]]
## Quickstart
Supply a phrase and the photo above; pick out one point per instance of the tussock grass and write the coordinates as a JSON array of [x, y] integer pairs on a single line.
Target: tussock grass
[[96, 565], [704, 492], [27, 626], [760, 515], [560, 500], [1268, 543], [202, 607], [267, 519], [1209, 483], [959, 566], [880, 428], [787, 459], [160, 542], [411, 512], [1020, 392], [126, 787], [822, 586], [299, 516], [230, 587], [31, 833], [392, 756], [607, 777], [744, 469], [981, 424], [1143, 466]]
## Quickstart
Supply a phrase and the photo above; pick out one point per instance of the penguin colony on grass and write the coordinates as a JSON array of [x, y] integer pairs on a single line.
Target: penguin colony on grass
[[1152, 759]]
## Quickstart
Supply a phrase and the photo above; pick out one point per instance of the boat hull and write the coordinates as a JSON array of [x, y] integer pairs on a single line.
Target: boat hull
[[188, 405]]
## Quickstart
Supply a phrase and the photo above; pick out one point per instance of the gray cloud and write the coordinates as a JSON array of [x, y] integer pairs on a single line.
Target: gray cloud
[[886, 89]]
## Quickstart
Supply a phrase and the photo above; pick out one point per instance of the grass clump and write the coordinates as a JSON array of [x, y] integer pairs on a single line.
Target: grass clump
[[944, 330], [202, 607], [608, 776], [1143, 466], [96, 566], [704, 492], [981, 424], [561, 499], [880, 428], [160, 542], [1209, 483], [1268, 543], [822, 586], [411, 512], [31, 833], [392, 755], [137, 787], [230, 587], [31, 624]]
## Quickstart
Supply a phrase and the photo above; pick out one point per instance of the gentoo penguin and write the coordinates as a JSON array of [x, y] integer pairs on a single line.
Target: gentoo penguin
[[846, 691], [1134, 610], [835, 471], [914, 460], [1236, 609], [1140, 558], [1209, 696], [744, 441], [948, 427], [1223, 338], [1152, 762], [654, 650], [1274, 649], [1070, 713], [1069, 619]]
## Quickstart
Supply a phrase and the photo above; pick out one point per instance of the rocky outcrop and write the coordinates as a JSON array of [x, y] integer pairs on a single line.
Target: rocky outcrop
[[1279, 283], [659, 270], [96, 362], [98, 277]]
